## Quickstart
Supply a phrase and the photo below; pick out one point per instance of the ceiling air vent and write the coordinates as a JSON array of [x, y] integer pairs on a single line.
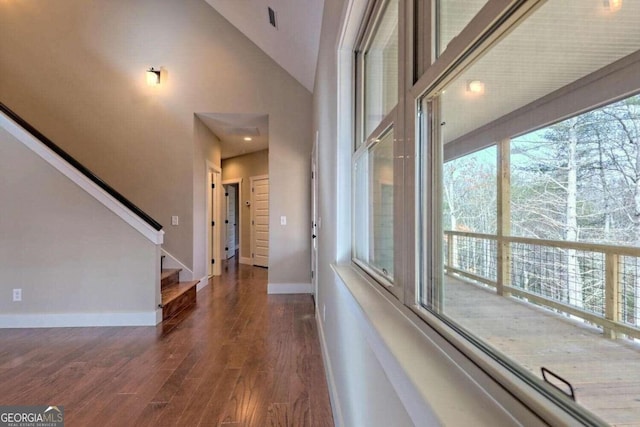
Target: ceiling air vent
[[272, 18]]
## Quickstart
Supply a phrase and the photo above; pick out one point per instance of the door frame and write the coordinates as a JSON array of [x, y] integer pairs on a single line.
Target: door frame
[[213, 213], [239, 219], [314, 216], [253, 242]]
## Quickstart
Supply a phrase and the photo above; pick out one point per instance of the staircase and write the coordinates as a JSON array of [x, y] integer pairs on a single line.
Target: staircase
[[176, 295]]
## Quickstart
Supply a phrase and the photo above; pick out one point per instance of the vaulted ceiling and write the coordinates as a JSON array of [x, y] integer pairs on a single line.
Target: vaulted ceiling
[[293, 43]]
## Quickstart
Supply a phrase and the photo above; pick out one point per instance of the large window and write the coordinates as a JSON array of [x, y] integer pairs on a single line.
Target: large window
[[530, 194], [373, 221], [511, 222]]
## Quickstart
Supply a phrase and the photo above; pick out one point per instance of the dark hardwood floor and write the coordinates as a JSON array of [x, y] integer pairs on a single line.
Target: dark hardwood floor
[[240, 357]]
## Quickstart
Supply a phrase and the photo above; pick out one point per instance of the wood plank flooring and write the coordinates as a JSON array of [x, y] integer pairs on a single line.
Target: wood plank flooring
[[605, 373], [240, 357]]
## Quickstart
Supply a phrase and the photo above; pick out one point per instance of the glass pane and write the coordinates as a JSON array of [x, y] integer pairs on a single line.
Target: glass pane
[[381, 70], [469, 198], [555, 273], [373, 224], [361, 208], [581, 172], [571, 182], [453, 16]]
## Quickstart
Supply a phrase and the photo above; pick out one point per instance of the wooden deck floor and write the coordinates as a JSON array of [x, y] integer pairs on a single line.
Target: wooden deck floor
[[239, 358], [605, 373]]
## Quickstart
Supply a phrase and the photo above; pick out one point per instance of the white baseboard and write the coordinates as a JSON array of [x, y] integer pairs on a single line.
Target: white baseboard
[[204, 282], [68, 320], [328, 373], [245, 260], [289, 288], [186, 275]]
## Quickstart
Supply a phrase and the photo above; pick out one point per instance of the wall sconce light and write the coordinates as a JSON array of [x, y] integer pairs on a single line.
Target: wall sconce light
[[475, 86], [613, 5], [153, 76], [247, 138]]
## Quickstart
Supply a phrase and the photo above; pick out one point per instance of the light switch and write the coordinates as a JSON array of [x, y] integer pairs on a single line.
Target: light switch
[[283, 220], [174, 220]]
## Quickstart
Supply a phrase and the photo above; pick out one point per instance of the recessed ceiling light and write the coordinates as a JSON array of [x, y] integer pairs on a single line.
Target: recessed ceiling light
[[247, 138], [475, 86]]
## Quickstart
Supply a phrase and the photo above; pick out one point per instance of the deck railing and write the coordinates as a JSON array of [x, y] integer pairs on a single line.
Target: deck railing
[[597, 283]]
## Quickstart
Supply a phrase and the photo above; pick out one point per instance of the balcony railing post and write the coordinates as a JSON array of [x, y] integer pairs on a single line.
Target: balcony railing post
[[450, 248], [611, 292], [503, 249]]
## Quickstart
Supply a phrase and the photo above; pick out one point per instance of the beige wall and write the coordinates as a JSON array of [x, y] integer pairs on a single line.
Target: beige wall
[[244, 167], [75, 69], [68, 253]]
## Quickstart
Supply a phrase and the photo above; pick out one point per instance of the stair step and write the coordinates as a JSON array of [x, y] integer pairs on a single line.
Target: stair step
[[177, 297], [169, 277]]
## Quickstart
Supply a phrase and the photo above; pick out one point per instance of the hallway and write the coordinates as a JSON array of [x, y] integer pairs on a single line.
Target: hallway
[[239, 358]]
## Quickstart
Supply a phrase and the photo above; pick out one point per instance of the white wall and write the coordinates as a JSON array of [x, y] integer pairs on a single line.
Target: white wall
[[76, 71], [76, 262], [361, 392]]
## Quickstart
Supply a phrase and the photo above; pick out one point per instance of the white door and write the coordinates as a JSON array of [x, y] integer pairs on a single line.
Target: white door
[[260, 220], [231, 220]]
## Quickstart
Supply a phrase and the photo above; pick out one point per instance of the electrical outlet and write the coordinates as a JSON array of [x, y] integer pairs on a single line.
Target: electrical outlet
[[174, 220], [17, 295], [324, 313]]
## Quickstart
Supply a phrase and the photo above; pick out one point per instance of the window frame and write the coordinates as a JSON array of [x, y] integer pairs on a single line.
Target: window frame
[[524, 385], [385, 126], [364, 143], [422, 77]]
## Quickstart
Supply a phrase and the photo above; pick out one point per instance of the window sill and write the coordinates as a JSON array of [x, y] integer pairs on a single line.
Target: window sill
[[437, 384]]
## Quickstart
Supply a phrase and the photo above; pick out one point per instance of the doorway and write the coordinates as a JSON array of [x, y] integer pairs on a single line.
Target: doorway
[[314, 215], [232, 218]]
